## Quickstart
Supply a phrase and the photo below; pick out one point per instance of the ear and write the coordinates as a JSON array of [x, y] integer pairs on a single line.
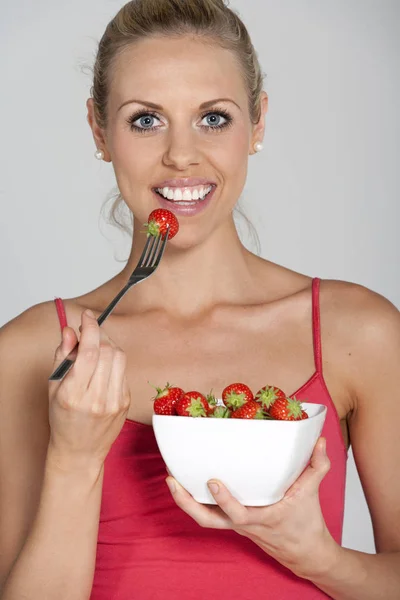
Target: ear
[[98, 133], [259, 128]]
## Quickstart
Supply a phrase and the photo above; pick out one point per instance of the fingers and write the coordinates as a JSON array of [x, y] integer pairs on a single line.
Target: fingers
[[94, 357], [206, 516], [237, 513], [118, 390], [99, 382], [240, 515], [68, 341], [89, 347], [310, 480], [108, 389]]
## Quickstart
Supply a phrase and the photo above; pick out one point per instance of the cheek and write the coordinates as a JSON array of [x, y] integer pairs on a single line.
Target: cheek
[[233, 160], [132, 163]]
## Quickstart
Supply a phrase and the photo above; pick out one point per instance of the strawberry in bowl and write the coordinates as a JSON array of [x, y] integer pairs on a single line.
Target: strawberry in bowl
[[257, 446], [166, 399]]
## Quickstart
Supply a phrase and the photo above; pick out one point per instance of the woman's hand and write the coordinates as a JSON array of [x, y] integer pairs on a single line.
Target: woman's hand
[[292, 531], [89, 406]]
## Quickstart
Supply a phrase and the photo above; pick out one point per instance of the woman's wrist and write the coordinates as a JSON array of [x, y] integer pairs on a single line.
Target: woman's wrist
[[73, 465], [324, 556]]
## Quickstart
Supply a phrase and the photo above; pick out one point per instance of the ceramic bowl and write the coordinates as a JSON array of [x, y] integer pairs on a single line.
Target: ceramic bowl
[[257, 460]]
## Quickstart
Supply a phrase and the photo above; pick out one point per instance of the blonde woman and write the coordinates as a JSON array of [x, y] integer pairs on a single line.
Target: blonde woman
[[178, 108]]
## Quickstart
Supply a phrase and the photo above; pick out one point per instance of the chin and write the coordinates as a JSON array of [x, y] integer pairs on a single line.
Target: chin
[[186, 240]]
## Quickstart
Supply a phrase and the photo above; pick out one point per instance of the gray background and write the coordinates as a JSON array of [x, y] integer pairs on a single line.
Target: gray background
[[323, 194]]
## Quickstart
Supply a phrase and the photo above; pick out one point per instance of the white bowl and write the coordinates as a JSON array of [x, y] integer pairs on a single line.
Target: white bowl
[[257, 460]]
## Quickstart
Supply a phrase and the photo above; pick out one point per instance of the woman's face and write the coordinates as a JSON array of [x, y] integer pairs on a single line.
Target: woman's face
[[179, 126]]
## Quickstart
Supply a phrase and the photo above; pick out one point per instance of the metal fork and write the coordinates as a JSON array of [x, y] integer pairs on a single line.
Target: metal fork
[[148, 263]]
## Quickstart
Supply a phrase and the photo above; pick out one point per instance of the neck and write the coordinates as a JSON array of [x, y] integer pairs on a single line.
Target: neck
[[191, 280]]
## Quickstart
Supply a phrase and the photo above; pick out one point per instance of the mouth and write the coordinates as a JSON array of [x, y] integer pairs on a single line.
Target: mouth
[[185, 196]]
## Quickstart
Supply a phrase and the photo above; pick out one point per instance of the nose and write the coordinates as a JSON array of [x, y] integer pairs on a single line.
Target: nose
[[181, 150]]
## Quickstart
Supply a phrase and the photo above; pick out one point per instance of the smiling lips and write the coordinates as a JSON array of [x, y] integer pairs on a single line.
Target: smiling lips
[[184, 194], [185, 191]]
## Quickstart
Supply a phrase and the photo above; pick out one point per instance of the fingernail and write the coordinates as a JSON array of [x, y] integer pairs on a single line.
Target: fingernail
[[214, 487], [171, 485], [89, 313], [323, 444]]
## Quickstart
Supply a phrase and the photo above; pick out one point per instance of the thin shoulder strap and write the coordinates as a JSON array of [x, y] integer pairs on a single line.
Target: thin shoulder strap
[[316, 318], [61, 312]]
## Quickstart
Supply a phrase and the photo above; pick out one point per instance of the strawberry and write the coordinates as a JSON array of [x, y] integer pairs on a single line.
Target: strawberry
[[249, 410], [158, 221], [220, 412], [304, 415], [286, 409], [236, 395], [267, 396], [193, 404], [166, 399]]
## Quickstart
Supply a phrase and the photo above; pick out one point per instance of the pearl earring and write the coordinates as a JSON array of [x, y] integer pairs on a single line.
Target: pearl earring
[[258, 147], [99, 154]]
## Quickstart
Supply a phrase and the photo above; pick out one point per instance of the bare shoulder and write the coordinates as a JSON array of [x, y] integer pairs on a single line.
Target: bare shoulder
[[39, 325], [361, 329], [37, 328], [356, 312], [27, 347]]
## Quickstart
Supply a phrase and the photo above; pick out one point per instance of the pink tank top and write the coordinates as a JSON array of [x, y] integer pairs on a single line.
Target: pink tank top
[[148, 549]]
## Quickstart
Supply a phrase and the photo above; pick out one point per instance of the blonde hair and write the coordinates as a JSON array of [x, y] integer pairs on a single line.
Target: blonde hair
[[139, 19]]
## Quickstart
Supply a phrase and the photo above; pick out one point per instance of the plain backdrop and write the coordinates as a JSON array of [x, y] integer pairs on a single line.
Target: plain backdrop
[[323, 194]]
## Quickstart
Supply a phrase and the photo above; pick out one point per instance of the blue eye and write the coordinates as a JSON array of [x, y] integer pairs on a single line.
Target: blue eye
[[214, 120], [142, 122]]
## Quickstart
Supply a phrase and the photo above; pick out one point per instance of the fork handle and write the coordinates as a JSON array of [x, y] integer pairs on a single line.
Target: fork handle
[[113, 303], [66, 364], [69, 360]]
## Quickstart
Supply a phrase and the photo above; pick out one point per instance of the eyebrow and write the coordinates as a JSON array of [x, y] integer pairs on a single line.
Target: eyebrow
[[202, 106]]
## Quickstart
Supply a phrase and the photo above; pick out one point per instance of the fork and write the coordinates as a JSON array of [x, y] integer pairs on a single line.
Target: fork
[[148, 263]]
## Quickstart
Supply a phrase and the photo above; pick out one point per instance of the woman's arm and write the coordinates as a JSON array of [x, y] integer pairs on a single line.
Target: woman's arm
[[374, 376], [49, 512], [58, 557]]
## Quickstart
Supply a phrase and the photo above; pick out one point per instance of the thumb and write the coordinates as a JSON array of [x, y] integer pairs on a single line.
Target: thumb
[[310, 480], [319, 464]]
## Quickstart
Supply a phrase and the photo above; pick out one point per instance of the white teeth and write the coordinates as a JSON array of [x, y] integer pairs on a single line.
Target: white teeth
[[185, 194]]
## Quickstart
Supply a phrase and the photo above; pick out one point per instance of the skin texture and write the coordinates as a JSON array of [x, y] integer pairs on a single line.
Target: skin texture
[[212, 298]]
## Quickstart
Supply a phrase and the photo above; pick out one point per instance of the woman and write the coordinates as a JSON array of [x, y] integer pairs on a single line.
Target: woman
[[86, 513]]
